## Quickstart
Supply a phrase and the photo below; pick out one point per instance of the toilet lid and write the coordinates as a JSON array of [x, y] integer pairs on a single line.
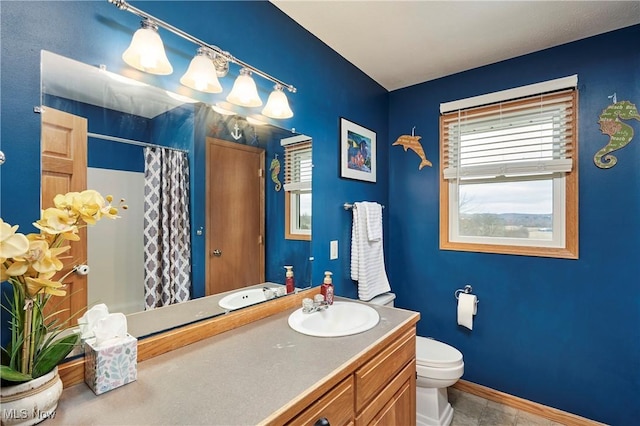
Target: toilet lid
[[383, 299], [432, 353]]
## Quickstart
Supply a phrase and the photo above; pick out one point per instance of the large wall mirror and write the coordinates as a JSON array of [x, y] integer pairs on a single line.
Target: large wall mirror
[[143, 143]]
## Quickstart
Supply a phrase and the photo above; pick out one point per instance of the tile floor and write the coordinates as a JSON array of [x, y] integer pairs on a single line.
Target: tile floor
[[472, 410]]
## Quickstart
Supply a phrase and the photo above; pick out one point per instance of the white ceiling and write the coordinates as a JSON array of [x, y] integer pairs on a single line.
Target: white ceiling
[[402, 43]]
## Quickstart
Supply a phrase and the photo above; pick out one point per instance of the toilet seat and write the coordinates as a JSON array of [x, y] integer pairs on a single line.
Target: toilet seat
[[435, 354]]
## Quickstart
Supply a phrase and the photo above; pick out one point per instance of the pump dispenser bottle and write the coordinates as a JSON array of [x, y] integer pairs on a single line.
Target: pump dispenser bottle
[[327, 288], [289, 283]]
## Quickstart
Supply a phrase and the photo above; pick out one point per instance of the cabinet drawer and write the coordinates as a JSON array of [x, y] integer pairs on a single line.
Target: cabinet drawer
[[336, 406], [372, 377]]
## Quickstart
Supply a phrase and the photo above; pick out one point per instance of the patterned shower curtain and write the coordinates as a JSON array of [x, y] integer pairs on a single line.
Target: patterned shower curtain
[[167, 241]]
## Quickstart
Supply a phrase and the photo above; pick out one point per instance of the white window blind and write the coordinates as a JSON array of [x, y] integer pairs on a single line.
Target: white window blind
[[297, 167], [525, 137], [509, 94]]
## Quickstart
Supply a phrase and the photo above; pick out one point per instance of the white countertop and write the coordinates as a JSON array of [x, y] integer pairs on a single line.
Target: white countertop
[[240, 377]]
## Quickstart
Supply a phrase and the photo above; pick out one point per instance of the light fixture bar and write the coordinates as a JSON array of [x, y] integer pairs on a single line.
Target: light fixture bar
[[123, 5]]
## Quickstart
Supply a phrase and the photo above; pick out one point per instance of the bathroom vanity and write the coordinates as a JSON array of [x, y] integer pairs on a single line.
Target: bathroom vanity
[[263, 372]]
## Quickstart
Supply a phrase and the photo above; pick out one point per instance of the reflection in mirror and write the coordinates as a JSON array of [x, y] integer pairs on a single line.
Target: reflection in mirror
[[128, 123]]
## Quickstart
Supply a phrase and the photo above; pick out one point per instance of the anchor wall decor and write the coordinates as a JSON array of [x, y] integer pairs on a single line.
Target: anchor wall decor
[[236, 134]]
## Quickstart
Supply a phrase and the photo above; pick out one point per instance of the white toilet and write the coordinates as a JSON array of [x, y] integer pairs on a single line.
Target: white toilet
[[438, 366]]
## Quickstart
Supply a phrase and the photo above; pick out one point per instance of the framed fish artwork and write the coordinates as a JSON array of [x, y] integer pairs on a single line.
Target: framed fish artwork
[[357, 151]]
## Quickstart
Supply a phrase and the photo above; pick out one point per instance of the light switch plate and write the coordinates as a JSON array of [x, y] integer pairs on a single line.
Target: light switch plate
[[333, 250]]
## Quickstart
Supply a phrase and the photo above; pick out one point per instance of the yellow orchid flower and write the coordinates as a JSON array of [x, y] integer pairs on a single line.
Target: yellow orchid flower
[[41, 258], [11, 243], [56, 221], [111, 212], [91, 205], [37, 286], [4, 268], [87, 205], [16, 269], [32, 264]]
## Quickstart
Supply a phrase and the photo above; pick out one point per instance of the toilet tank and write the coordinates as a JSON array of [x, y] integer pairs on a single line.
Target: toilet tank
[[385, 299]]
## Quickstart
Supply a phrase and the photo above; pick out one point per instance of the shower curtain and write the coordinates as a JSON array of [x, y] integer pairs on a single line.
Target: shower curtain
[[167, 242]]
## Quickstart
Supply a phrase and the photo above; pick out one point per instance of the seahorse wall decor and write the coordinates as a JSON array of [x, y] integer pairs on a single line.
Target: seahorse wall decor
[[275, 170], [620, 134], [413, 143]]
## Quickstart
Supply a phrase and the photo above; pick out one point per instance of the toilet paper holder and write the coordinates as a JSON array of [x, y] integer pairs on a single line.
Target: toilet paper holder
[[467, 289]]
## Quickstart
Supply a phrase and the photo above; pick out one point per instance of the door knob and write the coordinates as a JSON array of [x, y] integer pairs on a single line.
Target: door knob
[[216, 253]]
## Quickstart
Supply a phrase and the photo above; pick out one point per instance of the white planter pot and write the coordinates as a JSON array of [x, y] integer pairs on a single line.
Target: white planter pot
[[31, 402]]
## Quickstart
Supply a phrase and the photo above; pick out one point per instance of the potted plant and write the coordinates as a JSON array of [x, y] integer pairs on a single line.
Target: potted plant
[[30, 264]]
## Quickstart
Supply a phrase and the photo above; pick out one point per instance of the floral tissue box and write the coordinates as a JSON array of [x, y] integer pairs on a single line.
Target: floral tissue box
[[110, 366]]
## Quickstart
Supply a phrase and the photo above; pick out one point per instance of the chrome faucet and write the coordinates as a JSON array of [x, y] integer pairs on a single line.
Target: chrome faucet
[[314, 305]]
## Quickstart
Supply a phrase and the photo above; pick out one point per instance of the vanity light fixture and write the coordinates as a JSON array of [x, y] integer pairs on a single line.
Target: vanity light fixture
[[201, 74], [277, 104], [150, 60], [244, 92], [146, 51]]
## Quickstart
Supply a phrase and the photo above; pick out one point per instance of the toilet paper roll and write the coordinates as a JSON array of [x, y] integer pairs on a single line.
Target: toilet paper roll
[[467, 308]]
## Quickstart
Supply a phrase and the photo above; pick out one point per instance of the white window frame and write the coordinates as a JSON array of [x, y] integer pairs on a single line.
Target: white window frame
[[559, 215], [295, 215], [295, 185], [564, 176]]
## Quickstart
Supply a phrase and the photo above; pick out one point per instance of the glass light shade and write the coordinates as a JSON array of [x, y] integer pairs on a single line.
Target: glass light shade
[[146, 52], [277, 105], [244, 91], [201, 75]]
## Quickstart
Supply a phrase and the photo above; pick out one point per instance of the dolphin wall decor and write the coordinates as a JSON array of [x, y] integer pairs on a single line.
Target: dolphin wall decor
[[413, 143]]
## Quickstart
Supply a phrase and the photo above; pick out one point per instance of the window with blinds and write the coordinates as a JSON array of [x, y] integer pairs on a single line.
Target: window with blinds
[[509, 176], [298, 167], [520, 138]]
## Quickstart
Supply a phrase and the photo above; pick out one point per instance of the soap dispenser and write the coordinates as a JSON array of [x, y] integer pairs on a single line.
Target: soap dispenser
[[289, 283], [327, 288]]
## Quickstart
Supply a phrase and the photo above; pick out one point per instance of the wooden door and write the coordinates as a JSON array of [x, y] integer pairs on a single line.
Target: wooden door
[[64, 168], [235, 216]]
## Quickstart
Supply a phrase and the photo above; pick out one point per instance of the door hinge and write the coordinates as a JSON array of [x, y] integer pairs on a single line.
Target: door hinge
[[260, 239], [260, 172]]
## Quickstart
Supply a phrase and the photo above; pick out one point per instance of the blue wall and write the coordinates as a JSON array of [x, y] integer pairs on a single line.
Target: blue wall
[[564, 333], [95, 32], [560, 332]]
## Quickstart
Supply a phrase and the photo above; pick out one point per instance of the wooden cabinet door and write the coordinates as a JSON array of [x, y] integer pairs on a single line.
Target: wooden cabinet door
[[401, 409], [396, 404], [376, 374], [64, 168]]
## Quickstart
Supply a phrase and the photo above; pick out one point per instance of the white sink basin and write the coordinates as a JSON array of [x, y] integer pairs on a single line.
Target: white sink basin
[[339, 319], [242, 298]]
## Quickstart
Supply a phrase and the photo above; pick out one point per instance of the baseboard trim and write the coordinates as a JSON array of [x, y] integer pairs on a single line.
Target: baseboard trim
[[550, 413]]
